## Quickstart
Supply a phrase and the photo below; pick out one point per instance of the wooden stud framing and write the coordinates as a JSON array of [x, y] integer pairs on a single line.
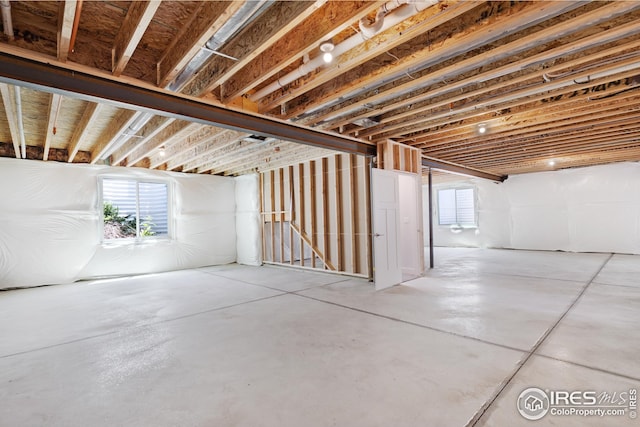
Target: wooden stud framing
[[292, 211], [301, 198], [339, 212], [355, 224], [326, 221], [282, 215], [367, 163], [272, 176], [314, 225]]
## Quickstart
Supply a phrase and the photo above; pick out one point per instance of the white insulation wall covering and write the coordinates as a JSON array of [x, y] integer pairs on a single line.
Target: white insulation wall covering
[[249, 239], [592, 209], [50, 229]]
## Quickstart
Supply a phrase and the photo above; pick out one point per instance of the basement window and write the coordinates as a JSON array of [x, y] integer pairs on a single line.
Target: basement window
[[134, 209], [457, 207]]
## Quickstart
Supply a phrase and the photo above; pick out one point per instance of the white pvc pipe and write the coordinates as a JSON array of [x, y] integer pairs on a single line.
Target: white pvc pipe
[[20, 124], [7, 23], [398, 15]]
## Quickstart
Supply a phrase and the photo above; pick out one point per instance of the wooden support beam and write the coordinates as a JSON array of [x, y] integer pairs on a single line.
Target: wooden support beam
[[54, 109], [9, 102], [205, 21], [135, 24], [276, 21], [316, 251], [323, 24], [91, 113], [66, 17]]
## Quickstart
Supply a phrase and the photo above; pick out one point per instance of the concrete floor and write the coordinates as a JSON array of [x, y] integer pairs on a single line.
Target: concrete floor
[[267, 346]]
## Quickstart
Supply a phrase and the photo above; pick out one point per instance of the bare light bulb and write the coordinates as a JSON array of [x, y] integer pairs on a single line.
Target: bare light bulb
[[552, 162], [327, 57], [482, 129], [162, 152]]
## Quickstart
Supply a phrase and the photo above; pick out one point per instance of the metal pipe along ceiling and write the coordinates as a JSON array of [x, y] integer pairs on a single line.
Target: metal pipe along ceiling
[[383, 23], [247, 13]]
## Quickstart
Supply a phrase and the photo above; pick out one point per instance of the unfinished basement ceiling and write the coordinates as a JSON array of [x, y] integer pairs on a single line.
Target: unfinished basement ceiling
[[553, 84]]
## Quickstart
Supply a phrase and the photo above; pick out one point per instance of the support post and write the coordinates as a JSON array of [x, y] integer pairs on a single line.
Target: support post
[[430, 219]]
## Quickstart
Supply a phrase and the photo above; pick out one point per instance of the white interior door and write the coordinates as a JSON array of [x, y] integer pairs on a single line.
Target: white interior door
[[387, 270]]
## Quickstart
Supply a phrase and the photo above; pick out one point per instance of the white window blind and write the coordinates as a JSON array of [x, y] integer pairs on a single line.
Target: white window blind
[[134, 209], [456, 206]]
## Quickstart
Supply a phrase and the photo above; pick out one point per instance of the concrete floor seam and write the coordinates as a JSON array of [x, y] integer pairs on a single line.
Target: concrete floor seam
[[617, 286], [144, 325], [431, 328], [592, 368], [484, 408], [270, 287]]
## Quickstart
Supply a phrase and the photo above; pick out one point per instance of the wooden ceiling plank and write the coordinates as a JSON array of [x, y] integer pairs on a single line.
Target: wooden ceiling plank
[[488, 30], [135, 24], [150, 129], [236, 149], [403, 32], [584, 129], [54, 105], [552, 149], [226, 140], [66, 16], [323, 24], [207, 19], [393, 122], [89, 116], [518, 148], [574, 105], [8, 99], [518, 97], [276, 21], [541, 120], [169, 132], [173, 149], [380, 103], [277, 161], [119, 125]]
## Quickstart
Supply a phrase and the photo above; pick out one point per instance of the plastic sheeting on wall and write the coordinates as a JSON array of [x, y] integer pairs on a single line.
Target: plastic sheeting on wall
[[591, 209], [249, 238], [50, 224]]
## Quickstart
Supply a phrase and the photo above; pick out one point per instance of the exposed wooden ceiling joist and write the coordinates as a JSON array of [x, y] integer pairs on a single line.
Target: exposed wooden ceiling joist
[[133, 28]]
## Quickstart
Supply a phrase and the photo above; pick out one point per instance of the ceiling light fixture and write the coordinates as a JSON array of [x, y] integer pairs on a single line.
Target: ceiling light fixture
[[552, 162], [327, 47], [162, 152], [482, 128]]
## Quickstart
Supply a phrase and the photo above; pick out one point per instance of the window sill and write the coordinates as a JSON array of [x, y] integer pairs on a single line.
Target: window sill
[[136, 242]]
